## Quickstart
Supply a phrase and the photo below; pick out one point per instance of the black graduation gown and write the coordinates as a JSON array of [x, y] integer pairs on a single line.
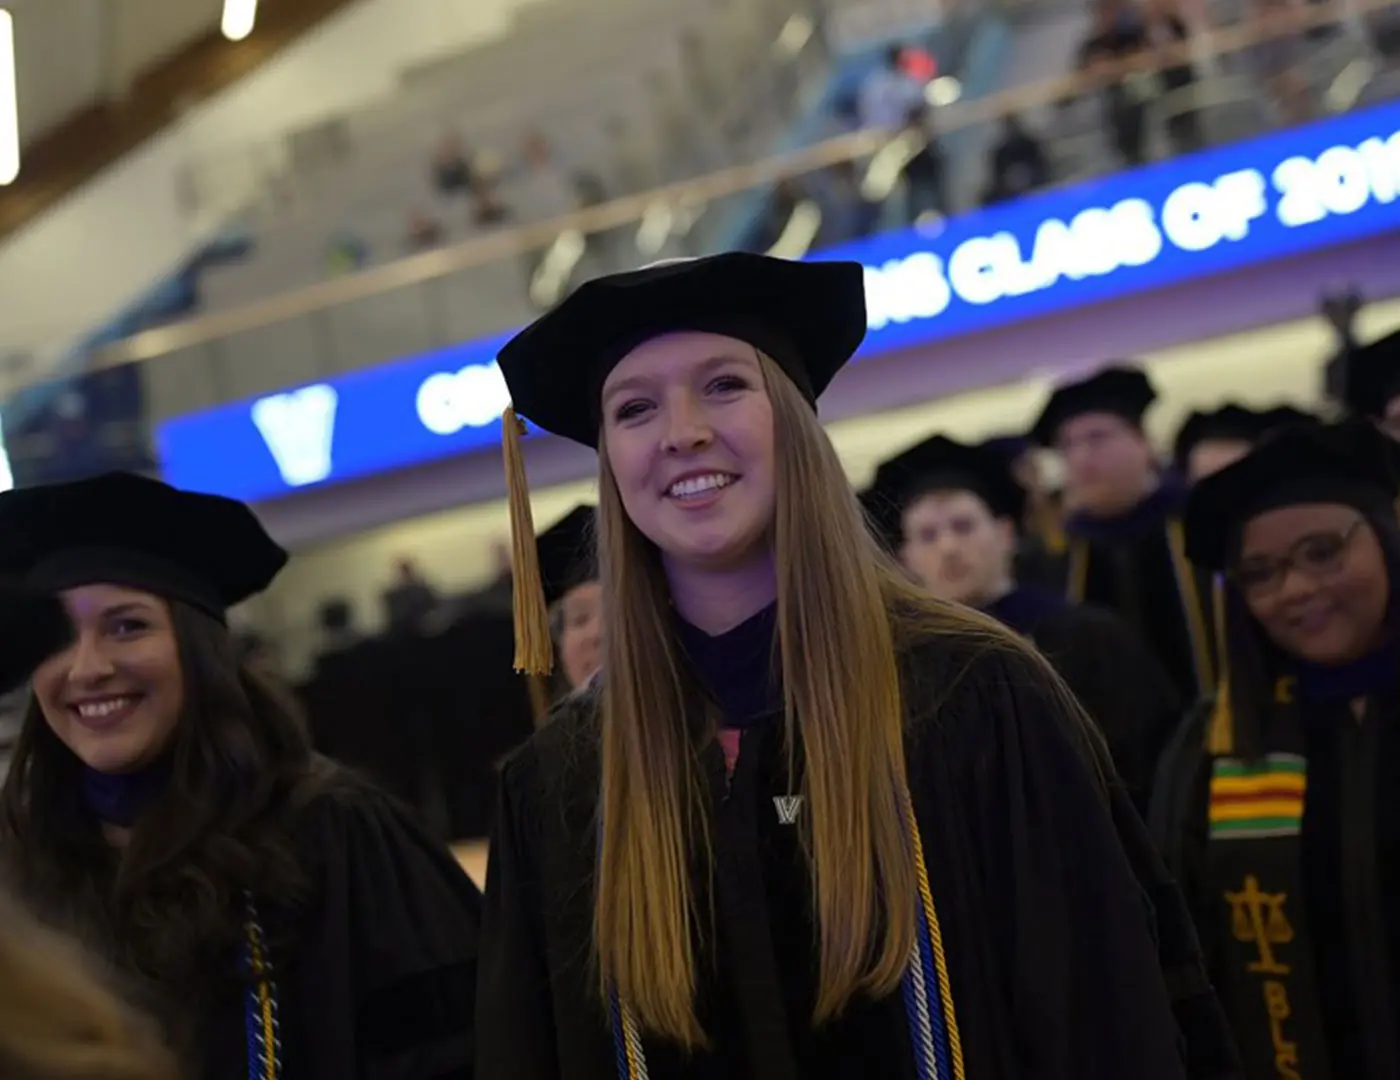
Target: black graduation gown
[[1337, 873], [1116, 677], [1040, 563], [1054, 970], [380, 982], [1135, 565], [427, 717]]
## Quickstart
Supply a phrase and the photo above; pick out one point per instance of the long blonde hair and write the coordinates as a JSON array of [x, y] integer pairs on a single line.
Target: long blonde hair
[[57, 1022], [841, 603]]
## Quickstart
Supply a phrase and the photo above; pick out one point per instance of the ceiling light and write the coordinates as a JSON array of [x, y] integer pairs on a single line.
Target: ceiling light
[[239, 17]]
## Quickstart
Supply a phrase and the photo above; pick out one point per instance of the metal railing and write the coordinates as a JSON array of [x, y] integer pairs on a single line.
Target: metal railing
[[484, 285]]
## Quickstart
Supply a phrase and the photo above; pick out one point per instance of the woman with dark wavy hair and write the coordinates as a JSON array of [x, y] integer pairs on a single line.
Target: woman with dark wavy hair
[[164, 805], [57, 1020]]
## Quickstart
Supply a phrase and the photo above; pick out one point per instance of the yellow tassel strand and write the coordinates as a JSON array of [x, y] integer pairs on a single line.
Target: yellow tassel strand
[[534, 651], [1220, 736]]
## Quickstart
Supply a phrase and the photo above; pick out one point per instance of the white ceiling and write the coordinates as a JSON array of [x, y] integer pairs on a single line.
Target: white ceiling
[[72, 53]]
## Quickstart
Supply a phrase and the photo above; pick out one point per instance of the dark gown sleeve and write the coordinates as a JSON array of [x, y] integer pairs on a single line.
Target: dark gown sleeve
[[390, 965], [1180, 827], [1208, 1042], [1121, 684], [1075, 906], [515, 1016]]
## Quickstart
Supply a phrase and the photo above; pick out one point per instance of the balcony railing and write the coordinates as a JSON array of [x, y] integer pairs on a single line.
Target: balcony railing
[[498, 281]]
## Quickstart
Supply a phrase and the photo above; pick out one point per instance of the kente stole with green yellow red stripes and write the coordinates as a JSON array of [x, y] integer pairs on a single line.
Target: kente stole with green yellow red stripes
[[1266, 978]]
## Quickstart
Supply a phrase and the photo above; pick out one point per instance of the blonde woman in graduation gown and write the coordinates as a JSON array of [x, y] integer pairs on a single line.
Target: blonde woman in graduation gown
[[807, 823]]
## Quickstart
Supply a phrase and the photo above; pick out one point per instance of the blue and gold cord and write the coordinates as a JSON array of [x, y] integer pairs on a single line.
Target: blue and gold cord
[[928, 994], [261, 1020]]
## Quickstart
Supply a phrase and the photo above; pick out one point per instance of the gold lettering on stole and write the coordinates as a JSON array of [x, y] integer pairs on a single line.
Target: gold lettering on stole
[[1257, 918]]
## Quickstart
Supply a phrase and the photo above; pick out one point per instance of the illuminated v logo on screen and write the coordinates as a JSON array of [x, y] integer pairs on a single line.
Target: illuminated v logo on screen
[[299, 429]]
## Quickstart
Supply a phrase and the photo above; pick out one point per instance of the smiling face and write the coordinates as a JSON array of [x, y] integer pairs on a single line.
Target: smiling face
[[688, 429], [1314, 576], [114, 696]]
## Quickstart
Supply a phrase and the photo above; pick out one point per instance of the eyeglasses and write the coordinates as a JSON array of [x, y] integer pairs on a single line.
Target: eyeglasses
[[1317, 557]]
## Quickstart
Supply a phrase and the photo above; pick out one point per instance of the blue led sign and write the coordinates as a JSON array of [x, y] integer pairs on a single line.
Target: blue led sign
[[1285, 194]]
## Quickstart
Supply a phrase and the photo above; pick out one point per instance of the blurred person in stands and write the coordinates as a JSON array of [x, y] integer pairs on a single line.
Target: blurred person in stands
[[715, 853], [1118, 34], [589, 188], [1278, 58], [1372, 382], [634, 166], [1165, 28], [346, 252], [422, 233], [543, 189], [702, 77], [453, 172], [542, 184], [336, 618], [1125, 544], [1209, 441], [787, 195], [410, 600], [952, 514], [925, 190], [888, 94], [846, 213], [164, 806], [1018, 164], [487, 206], [1279, 802], [569, 574]]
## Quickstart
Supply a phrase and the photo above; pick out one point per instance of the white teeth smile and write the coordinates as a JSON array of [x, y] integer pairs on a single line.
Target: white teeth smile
[[692, 486], [96, 710]]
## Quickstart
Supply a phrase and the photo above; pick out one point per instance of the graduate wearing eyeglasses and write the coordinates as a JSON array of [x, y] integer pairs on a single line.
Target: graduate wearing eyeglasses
[[1279, 804]]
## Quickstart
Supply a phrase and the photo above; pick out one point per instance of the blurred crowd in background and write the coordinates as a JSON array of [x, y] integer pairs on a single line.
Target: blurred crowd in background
[[780, 126]]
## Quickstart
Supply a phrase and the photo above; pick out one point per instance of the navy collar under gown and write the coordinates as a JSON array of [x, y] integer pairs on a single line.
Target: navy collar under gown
[[373, 976], [1026, 607], [1044, 885], [1118, 679]]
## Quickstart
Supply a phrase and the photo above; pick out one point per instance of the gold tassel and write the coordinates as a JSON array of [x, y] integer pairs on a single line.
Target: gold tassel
[[1220, 740], [534, 651], [1078, 573], [1220, 737]]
